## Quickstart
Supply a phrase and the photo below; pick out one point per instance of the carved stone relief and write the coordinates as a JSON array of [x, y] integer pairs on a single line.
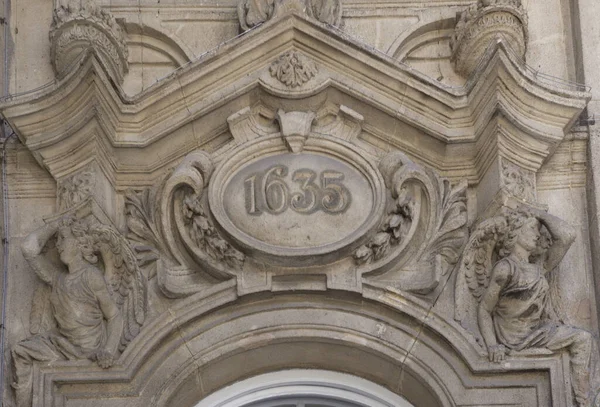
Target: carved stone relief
[[423, 232], [480, 24], [252, 13], [80, 26], [504, 268], [293, 69], [303, 200], [518, 181], [90, 307], [75, 188]]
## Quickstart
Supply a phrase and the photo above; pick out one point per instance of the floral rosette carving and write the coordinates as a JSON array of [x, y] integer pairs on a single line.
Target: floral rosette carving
[[78, 27], [75, 189], [480, 24], [293, 69]]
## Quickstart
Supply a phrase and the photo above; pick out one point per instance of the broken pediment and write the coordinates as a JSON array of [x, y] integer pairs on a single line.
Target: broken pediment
[[293, 159], [258, 111], [86, 108]]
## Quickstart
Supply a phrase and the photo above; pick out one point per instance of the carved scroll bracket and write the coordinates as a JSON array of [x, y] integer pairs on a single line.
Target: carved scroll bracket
[[424, 231], [171, 222]]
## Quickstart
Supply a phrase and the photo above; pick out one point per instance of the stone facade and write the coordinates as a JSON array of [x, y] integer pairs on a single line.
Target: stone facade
[[198, 194]]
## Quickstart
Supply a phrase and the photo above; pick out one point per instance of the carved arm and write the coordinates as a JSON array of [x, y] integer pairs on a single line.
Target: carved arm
[[32, 248], [563, 235]]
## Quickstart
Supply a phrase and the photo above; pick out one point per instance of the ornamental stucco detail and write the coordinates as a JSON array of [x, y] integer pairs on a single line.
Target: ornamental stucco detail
[[84, 26], [293, 196], [293, 69], [252, 13], [518, 181], [481, 24], [75, 188]]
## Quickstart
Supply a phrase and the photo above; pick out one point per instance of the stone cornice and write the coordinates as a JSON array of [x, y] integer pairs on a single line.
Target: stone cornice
[[50, 122]]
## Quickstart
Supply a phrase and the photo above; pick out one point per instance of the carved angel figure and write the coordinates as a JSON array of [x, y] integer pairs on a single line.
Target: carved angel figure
[[514, 311], [93, 314]]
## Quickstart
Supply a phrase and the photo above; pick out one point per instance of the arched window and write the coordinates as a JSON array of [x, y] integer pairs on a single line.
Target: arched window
[[304, 388]]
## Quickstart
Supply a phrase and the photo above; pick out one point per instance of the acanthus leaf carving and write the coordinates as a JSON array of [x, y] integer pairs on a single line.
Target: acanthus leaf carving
[[423, 232], [450, 236], [174, 233]]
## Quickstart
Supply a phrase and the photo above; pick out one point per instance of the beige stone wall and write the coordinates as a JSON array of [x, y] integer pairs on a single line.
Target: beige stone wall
[[172, 122]]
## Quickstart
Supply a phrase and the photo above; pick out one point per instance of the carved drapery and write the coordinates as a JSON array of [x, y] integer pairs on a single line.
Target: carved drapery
[[91, 306]]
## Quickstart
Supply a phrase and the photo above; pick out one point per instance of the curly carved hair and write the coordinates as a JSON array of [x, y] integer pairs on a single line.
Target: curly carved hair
[[514, 222], [69, 226]]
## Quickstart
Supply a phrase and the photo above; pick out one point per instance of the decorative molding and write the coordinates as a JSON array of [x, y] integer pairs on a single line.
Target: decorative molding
[[480, 24], [463, 118], [293, 69], [81, 26]]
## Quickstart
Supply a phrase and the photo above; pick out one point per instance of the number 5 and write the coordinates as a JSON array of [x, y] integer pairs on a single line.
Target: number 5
[[336, 196]]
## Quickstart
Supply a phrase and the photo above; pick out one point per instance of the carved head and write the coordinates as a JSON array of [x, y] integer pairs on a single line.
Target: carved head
[[74, 240], [526, 231]]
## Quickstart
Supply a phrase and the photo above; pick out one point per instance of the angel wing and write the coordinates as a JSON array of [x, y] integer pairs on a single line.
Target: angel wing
[[476, 264], [126, 283]]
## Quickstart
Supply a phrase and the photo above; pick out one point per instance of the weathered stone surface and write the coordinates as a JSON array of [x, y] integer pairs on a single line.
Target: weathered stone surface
[[322, 191]]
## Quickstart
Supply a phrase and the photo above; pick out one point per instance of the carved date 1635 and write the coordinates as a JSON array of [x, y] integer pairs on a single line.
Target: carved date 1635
[[268, 191]]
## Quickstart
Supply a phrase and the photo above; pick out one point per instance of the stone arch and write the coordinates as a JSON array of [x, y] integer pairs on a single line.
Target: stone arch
[[213, 339], [298, 387], [152, 55], [427, 49]]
